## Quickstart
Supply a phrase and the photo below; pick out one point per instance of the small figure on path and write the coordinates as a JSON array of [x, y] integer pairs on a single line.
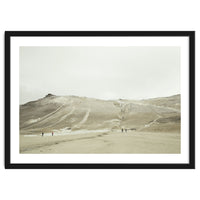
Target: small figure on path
[[52, 133], [42, 134], [122, 130]]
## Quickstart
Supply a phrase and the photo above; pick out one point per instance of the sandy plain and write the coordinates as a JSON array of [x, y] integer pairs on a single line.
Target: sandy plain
[[105, 142]]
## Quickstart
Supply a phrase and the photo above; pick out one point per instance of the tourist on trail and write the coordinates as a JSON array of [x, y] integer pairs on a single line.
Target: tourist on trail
[[42, 134], [52, 133]]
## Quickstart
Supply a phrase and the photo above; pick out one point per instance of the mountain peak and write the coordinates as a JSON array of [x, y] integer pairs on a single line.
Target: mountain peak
[[49, 95]]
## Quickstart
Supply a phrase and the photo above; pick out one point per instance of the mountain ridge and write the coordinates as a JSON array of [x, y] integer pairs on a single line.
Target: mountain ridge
[[70, 113]]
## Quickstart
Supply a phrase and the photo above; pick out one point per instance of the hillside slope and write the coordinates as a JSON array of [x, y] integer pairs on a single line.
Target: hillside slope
[[71, 113]]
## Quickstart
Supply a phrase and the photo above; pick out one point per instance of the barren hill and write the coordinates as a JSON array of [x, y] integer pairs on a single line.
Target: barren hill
[[71, 113]]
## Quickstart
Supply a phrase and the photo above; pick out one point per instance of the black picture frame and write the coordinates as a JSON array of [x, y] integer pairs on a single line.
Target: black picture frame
[[191, 37]]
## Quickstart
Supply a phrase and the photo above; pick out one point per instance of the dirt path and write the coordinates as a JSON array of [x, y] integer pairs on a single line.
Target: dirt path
[[64, 117], [83, 120], [44, 118]]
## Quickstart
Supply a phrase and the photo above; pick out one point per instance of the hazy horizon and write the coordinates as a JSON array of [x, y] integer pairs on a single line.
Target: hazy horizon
[[99, 72], [98, 98]]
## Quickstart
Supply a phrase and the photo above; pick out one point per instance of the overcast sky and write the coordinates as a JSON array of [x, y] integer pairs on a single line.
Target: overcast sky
[[99, 72]]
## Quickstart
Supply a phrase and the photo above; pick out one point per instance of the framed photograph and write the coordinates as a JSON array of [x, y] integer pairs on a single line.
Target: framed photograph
[[100, 99]]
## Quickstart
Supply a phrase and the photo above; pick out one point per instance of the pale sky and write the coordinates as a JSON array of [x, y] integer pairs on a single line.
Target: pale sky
[[100, 72]]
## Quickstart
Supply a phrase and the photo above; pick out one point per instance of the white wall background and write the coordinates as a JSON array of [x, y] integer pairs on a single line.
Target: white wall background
[[99, 15]]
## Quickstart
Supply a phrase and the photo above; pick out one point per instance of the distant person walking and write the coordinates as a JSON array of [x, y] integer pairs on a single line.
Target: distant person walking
[[42, 134], [52, 133], [122, 130]]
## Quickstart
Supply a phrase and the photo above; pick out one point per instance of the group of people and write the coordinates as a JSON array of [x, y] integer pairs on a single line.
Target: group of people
[[124, 129], [51, 133]]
